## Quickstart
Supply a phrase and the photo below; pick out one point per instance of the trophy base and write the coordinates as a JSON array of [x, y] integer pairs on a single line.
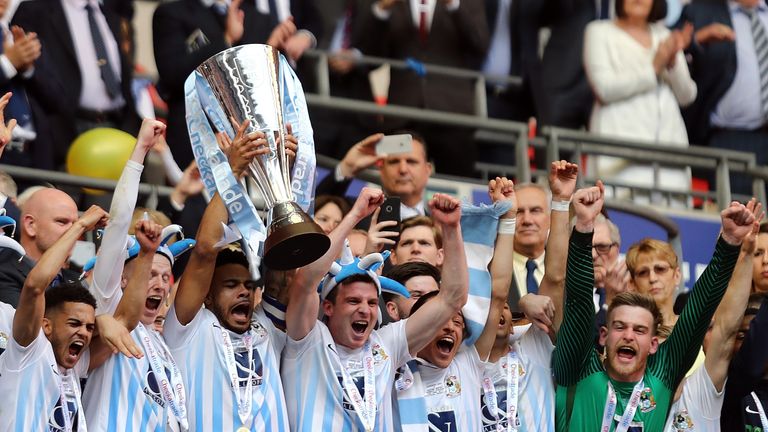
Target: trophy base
[[293, 239]]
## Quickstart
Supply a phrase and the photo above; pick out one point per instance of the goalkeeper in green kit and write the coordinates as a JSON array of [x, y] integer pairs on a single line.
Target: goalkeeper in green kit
[[632, 388]]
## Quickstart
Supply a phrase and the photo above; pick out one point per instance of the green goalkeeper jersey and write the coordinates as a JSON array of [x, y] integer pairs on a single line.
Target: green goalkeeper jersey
[[582, 383]]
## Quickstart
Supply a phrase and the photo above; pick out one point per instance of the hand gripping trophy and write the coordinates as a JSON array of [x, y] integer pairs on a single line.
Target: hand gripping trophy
[[254, 82]]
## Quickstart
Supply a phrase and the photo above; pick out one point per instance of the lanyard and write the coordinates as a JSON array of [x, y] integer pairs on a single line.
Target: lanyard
[[760, 411], [172, 389], [74, 390], [244, 400], [512, 394], [629, 411], [365, 407]]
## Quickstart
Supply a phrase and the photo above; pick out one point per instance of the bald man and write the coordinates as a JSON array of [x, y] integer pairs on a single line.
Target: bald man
[[45, 217]]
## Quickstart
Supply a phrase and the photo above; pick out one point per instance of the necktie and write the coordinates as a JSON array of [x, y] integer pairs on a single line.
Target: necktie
[[761, 51], [423, 31], [107, 74], [605, 9], [530, 280]]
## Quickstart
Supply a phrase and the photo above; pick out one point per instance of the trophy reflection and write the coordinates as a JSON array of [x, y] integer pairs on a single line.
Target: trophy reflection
[[248, 83]]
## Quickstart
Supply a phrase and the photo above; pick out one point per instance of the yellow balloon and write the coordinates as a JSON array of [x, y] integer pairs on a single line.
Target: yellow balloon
[[100, 153]]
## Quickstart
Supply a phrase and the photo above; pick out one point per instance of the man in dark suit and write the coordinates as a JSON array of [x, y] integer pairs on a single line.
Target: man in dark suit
[[83, 60], [452, 33], [729, 111], [188, 32], [567, 95], [46, 216], [513, 51]]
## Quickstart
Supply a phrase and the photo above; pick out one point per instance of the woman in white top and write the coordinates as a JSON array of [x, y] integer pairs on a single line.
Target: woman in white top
[[639, 76]]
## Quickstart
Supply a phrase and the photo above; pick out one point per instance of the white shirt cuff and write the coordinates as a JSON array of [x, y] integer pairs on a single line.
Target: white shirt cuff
[[176, 206], [7, 66], [453, 5], [337, 175], [311, 37]]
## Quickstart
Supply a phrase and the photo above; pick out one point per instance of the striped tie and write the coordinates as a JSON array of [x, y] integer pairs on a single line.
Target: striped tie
[[761, 51]]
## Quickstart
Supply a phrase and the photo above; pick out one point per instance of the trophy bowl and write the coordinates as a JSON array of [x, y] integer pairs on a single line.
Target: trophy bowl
[[248, 83]]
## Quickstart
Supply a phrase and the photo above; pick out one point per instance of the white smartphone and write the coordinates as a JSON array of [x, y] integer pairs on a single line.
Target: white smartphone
[[395, 144]]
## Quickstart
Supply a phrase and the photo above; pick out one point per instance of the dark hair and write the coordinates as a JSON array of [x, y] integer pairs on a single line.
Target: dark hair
[[658, 10], [68, 292], [341, 203], [404, 272], [232, 254], [640, 300], [331, 296]]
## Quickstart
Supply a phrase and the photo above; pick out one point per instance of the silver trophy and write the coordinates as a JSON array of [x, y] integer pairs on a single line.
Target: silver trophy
[[248, 83]]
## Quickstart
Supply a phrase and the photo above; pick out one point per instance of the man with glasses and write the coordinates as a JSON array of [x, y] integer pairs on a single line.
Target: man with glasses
[[611, 275]]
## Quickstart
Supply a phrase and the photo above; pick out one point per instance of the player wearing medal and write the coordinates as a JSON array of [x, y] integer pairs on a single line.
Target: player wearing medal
[[228, 351], [699, 399], [521, 368], [144, 393], [338, 373], [632, 389], [52, 347]]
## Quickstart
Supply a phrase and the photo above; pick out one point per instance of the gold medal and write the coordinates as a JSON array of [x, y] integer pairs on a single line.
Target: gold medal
[[243, 429]]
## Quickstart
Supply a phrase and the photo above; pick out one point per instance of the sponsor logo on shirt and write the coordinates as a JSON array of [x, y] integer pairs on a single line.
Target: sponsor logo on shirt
[[442, 421]]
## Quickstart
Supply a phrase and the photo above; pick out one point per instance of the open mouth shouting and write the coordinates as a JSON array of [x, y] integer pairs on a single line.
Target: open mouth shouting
[[241, 312], [73, 353], [445, 345], [359, 327], [626, 353], [153, 302]]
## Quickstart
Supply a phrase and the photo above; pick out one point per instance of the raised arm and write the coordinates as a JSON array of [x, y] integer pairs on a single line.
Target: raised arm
[[131, 305], [29, 313], [109, 267], [731, 311], [681, 348], [421, 326], [575, 335], [196, 280], [562, 183], [501, 268], [301, 314]]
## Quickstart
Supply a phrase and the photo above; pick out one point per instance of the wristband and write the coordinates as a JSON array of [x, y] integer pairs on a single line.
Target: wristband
[[507, 226], [562, 206]]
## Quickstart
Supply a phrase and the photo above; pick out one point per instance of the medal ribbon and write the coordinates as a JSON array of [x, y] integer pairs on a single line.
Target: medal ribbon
[[244, 400], [365, 408], [172, 389], [760, 411], [629, 411], [491, 398]]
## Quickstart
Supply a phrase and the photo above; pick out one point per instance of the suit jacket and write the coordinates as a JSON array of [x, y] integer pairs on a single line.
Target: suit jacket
[[568, 97], [458, 39], [713, 67], [13, 271], [60, 70], [524, 17]]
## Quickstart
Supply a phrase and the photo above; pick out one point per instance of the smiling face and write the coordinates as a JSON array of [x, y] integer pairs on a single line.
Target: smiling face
[[443, 348], [352, 313], [232, 297], [628, 339], [69, 327]]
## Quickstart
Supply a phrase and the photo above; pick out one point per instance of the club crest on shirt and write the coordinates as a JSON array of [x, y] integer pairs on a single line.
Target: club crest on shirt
[[682, 421], [379, 355], [647, 401], [453, 386]]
